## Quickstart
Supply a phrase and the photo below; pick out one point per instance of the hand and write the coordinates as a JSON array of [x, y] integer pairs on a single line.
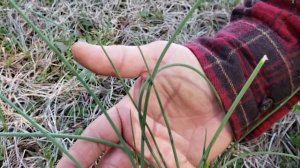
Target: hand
[[188, 101]]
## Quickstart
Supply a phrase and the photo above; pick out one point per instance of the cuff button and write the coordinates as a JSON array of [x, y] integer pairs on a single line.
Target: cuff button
[[266, 104]]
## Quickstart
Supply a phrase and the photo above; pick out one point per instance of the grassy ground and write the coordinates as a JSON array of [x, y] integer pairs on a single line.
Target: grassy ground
[[31, 76]]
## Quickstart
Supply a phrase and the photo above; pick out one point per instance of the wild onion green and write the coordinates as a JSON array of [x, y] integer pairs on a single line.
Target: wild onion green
[[3, 120], [141, 116], [259, 122], [60, 135], [140, 107], [259, 153], [68, 65], [40, 128], [231, 109], [155, 70]]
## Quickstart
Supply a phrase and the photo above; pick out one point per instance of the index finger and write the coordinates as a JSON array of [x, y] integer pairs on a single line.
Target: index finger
[[126, 59]]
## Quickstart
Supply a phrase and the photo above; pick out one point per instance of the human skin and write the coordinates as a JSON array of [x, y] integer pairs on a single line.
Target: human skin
[[191, 107]]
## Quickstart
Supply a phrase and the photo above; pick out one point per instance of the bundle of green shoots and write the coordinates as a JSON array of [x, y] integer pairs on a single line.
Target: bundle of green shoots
[[138, 159]]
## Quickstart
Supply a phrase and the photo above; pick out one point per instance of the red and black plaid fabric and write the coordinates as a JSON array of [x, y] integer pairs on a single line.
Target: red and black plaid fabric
[[257, 28]]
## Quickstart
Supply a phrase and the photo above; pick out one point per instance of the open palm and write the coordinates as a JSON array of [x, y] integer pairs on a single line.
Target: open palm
[[190, 106]]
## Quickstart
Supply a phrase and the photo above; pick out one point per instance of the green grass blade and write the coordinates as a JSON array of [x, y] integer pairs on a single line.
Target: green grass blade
[[228, 151], [296, 108], [45, 18], [204, 144], [132, 100], [40, 128], [269, 115], [143, 123], [68, 65], [138, 109], [70, 136], [200, 74], [205, 78], [143, 116], [157, 148], [173, 37], [259, 153], [59, 135], [186, 66], [152, 153], [262, 120], [231, 109], [160, 105], [3, 120], [132, 131]]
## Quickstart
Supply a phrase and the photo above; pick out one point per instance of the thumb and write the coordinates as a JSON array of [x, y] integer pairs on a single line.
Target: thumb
[[128, 60]]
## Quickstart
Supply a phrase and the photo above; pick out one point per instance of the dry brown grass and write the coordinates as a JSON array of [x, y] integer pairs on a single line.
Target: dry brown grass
[[34, 79]]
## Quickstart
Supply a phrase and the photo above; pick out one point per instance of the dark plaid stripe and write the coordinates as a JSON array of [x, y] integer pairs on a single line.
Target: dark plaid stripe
[[270, 27]]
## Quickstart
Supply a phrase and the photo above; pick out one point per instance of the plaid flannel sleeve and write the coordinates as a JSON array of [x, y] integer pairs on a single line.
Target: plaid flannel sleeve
[[257, 28]]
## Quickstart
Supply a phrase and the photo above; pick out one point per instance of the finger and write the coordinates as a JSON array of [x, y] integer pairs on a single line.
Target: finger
[[115, 158], [127, 59], [87, 152]]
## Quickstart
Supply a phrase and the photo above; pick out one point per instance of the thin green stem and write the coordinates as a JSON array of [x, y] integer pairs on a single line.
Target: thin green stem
[[68, 65], [262, 120], [152, 153], [146, 161], [143, 117], [204, 77], [166, 122], [173, 37], [131, 98], [199, 73], [205, 139], [3, 120], [157, 148], [161, 107], [259, 153], [182, 65], [152, 76], [60, 135], [47, 19], [40, 128], [231, 109], [228, 151], [132, 131], [269, 114], [143, 123]]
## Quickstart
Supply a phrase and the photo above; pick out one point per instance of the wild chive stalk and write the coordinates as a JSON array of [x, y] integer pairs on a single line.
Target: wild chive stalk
[[258, 153], [70, 136], [269, 114], [60, 135], [231, 109], [261, 121], [136, 107], [40, 128], [200, 74], [155, 70], [206, 79], [3, 120], [176, 65], [160, 105], [51, 46], [68, 65], [148, 84]]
